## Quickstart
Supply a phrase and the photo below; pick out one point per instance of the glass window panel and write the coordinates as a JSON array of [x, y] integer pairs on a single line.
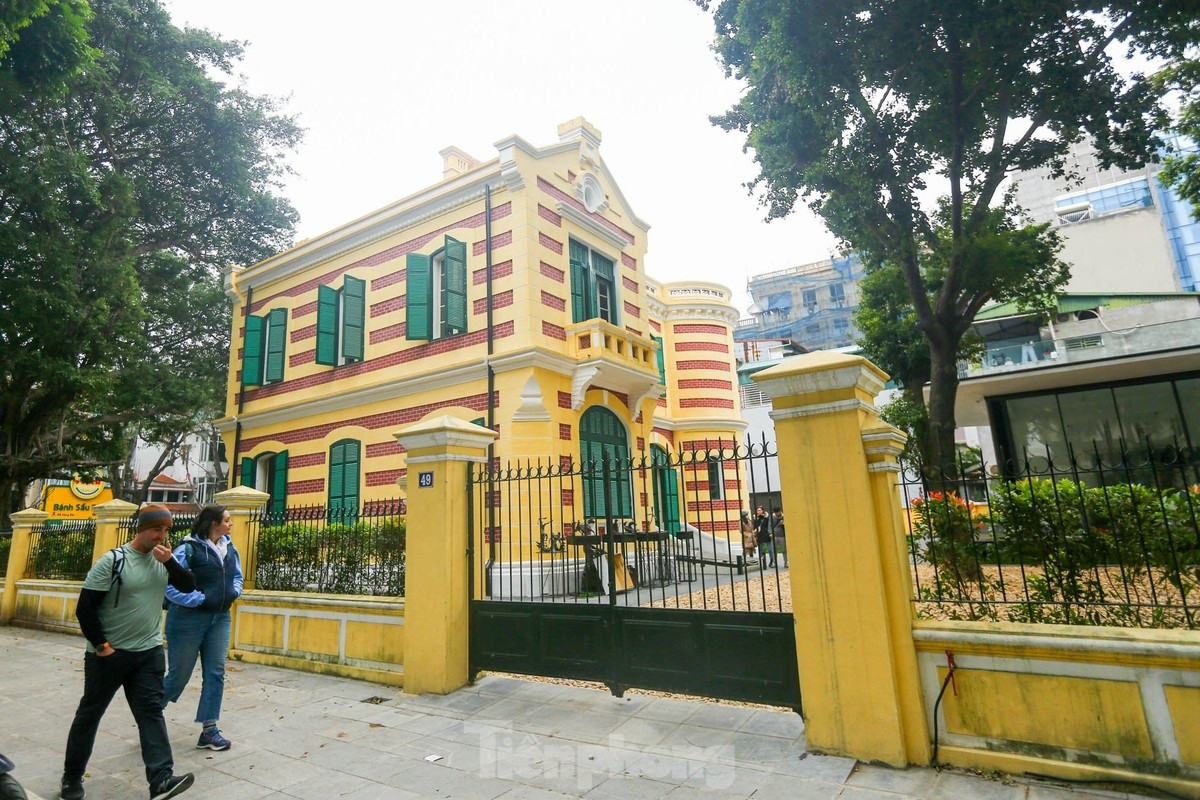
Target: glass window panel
[[1149, 417], [1189, 400], [1036, 430], [1092, 428]]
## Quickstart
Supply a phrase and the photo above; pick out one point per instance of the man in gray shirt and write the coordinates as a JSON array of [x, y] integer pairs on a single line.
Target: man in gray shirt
[[120, 614]]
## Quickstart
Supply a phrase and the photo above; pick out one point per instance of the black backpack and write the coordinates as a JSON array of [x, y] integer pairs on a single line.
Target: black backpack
[[119, 564]]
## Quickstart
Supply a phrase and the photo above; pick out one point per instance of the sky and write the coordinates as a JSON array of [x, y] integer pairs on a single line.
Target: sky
[[383, 87]]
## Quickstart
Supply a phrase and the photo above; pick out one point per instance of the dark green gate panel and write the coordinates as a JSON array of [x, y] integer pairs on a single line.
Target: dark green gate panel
[[557, 641], [733, 655]]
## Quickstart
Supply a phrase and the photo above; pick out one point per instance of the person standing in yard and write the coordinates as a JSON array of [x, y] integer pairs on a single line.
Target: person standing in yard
[[120, 614], [779, 537], [762, 536], [748, 542], [198, 622]]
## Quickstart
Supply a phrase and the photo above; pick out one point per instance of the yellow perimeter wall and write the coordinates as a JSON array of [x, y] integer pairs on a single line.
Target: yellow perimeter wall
[[1076, 702], [356, 637]]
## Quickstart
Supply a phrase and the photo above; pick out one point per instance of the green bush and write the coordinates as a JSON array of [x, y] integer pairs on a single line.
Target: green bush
[[1125, 554], [5, 549], [361, 558], [63, 554]]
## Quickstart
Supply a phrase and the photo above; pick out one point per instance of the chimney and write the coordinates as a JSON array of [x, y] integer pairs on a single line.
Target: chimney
[[455, 162]]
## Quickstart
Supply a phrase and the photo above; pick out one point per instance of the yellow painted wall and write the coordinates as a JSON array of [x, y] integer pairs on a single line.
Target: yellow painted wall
[[1077, 713], [1184, 702], [1074, 701]]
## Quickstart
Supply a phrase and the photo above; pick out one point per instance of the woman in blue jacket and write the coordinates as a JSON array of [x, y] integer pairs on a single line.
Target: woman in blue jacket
[[198, 622]]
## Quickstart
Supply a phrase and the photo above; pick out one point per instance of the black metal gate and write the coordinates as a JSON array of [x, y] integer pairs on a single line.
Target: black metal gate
[[665, 598]]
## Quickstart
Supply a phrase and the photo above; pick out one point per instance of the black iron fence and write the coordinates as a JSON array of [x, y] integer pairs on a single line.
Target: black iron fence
[[660, 529], [1072, 540], [359, 551], [62, 550], [181, 525]]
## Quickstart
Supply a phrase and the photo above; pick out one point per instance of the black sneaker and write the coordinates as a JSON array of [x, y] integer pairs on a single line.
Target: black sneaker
[[172, 787], [71, 789]]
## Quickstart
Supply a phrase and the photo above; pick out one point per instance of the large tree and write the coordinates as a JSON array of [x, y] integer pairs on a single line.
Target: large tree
[[121, 199], [870, 110], [1181, 168]]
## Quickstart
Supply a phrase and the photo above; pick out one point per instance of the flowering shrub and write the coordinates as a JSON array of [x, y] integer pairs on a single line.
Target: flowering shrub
[[944, 535], [1119, 554]]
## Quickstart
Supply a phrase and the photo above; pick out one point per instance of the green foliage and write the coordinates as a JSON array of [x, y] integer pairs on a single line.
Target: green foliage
[[867, 132], [5, 549], [122, 198], [944, 534], [65, 552], [1181, 170], [1125, 554], [909, 415], [361, 558]]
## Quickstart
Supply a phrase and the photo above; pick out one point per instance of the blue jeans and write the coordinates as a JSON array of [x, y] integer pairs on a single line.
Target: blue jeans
[[766, 549], [192, 633], [140, 674]]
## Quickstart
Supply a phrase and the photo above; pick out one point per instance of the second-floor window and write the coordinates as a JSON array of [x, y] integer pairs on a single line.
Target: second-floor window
[[837, 294], [593, 287], [437, 292], [809, 297], [263, 348], [341, 315]]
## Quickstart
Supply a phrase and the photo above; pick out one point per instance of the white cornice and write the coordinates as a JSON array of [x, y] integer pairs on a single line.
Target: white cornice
[[389, 220], [723, 313], [585, 221], [708, 424], [393, 390], [373, 394]]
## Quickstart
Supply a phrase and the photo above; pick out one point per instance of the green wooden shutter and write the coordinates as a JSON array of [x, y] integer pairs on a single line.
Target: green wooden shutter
[[276, 339], [279, 483], [354, 316], [603, 442], [247, 477], [670, 512], [419, 311], [602, 266], [336, 476], [343, 478], [252, 352], [327, 325], [454, 284], [662, 361], [579, 282], [350, 475]]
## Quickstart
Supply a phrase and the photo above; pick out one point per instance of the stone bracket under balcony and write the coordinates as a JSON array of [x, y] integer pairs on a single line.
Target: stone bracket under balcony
[[616, 359]]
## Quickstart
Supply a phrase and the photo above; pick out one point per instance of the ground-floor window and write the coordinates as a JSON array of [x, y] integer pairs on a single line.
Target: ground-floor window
[[1116, 425]]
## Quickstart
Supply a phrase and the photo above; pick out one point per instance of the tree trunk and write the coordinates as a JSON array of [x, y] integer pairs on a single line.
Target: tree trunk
[[943, 387]]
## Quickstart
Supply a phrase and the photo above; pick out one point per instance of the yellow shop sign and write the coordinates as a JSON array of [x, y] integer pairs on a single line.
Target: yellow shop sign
[[75, 500]]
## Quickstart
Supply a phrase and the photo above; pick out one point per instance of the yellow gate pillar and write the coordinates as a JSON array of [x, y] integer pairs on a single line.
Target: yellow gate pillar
[[849, 577], [23, 522], [439, 453], [109, 517], [245, 506]]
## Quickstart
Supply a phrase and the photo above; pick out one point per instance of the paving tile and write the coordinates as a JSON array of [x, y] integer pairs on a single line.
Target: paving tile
[[783, 724]]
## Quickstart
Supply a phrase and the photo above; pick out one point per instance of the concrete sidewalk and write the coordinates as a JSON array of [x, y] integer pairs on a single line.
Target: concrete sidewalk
[[314, 737]]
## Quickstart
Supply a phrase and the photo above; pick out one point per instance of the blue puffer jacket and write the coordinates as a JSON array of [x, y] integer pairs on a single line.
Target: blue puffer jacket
[[218, 583]]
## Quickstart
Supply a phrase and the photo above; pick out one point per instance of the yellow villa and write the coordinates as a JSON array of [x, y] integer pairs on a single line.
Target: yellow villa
[[512, 294]]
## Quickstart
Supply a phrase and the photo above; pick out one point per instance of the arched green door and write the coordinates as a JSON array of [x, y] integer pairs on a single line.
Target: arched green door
[[604, 450], [666, 490]]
